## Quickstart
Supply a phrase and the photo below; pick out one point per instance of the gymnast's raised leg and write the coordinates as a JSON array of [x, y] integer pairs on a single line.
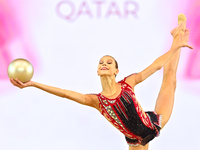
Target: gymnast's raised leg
[[165, 100]]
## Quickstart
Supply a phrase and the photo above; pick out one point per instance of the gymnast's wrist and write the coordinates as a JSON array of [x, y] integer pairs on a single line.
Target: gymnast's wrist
[[32, 84], [175, 47]]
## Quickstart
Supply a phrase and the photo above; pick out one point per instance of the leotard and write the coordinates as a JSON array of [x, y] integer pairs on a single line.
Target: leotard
[[125, 113]]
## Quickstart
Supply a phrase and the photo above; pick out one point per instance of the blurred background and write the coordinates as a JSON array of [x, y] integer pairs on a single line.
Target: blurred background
[[64, 40]]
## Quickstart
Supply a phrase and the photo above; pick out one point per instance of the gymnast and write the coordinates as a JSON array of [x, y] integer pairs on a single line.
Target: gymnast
[[117, 101]]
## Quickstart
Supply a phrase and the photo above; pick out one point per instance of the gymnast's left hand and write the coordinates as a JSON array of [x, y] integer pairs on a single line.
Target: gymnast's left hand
[[19, 84], [181, 39], [181, 36]]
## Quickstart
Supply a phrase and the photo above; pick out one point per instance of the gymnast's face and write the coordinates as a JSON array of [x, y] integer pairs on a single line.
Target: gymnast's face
[[107, 67]]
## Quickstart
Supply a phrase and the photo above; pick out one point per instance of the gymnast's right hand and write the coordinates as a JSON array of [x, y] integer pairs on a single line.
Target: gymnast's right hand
[[19, 84]]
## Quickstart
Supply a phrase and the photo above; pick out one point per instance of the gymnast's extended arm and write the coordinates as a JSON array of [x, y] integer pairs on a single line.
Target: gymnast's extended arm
[[179, 40], [85, 99]]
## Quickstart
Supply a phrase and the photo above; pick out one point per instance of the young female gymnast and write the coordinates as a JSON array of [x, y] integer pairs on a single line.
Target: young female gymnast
[[117, 100]]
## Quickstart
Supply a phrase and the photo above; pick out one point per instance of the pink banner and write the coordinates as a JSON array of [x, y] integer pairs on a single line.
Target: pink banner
[[193, 66], [13, 43]]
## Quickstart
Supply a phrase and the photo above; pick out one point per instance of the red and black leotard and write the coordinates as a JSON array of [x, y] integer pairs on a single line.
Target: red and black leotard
[[127, 116]]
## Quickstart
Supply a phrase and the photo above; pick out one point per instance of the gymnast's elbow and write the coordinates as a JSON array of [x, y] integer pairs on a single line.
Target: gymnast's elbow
[[157, 65], [66, 94], [62, 93]]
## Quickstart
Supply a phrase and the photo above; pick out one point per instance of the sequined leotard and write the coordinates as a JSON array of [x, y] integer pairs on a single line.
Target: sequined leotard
[[126, 115]]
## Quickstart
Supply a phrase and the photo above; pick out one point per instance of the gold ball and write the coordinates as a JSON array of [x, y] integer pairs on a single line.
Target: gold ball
[[20, 69]]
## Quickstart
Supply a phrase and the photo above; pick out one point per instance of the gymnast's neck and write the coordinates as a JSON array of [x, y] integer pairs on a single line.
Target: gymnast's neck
[[109, 85]]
